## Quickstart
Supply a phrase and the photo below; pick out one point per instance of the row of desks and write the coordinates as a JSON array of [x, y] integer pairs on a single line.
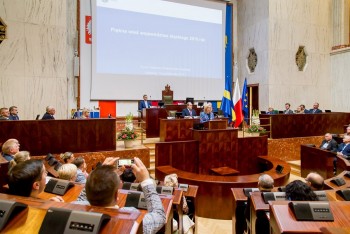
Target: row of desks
[[282, 220]]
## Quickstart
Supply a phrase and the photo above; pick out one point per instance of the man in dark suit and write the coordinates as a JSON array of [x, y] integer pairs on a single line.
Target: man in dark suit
[[329, 143], [287, 110], [13, 113], [4, 113], [144, 103], [344, 148], [315, 110], [50, 112], [188, 111]]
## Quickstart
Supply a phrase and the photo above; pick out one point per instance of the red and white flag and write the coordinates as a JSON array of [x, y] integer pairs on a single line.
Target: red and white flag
[[237, 102]]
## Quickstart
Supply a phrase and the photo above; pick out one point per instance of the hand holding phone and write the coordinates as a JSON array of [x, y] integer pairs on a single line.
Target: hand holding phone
[[125, 162]]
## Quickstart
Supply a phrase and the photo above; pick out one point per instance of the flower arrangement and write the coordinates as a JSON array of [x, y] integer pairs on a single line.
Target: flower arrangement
[[127, 134], [255, 128]]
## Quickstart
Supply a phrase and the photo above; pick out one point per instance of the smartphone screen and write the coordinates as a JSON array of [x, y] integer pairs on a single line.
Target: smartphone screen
[[125, 162]]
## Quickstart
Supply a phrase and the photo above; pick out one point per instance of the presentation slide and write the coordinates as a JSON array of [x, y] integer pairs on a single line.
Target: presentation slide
[[148, 42]]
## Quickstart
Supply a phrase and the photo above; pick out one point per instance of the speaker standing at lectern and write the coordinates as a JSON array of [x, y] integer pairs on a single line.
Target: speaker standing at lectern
[[144, 103], [188, 112]]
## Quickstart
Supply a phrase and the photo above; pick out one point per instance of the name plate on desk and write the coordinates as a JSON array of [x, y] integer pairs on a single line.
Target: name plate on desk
[[247, 191], [8, 209], [184, 187], [59, 220], [311, 211], [136, 199], [338, 181], [59, 187], [132, 186], [273, 196], [165, 190]]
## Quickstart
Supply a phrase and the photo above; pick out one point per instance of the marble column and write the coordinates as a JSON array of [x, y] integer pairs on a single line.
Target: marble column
[[340, 22]]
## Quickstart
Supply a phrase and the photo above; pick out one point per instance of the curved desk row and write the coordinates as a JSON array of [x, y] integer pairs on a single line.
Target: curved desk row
[[214, 197]]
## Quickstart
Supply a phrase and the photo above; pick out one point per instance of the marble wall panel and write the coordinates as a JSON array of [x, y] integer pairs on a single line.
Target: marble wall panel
[[48, 12], [12, 10]]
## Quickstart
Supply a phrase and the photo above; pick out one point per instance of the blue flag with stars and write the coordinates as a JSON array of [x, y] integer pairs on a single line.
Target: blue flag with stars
[[245, 108]]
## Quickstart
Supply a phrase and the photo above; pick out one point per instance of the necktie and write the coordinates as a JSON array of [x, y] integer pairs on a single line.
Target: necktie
[[190, 112]]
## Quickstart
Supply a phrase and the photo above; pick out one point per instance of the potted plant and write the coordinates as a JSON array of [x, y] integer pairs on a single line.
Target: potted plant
[[128, 121], [128, 136]]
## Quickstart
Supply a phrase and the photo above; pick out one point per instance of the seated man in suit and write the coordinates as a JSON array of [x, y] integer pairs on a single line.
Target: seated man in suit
[[188, 112], [347, 131], [13, 113], [329, 143], [303, 110], [315, 181], [4, 113], [144, 103], [50, 112], [270, 111], [287, 110], [10, 148], [344, 148], [28, 179], [315, 109]]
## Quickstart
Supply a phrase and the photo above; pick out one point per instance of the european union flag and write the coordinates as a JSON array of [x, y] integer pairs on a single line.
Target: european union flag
[[226, 102], [245, 108]]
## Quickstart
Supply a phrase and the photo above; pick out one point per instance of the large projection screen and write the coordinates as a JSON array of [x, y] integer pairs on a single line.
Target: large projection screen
[[139, 46]]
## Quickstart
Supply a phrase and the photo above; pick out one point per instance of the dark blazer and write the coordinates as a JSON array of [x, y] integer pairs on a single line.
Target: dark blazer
[[288, 111], [13, 117], [47, 116], [332, 145], [142, 104], [317, 111], [186, 112], [345, 151]]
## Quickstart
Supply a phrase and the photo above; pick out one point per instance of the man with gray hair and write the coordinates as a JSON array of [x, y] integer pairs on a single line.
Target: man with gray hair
[[265, 183], [329, 143], [10, 148], [50, 112], [315, 181]]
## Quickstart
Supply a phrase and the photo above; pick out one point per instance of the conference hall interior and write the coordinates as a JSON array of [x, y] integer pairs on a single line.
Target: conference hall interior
[[238, 110]]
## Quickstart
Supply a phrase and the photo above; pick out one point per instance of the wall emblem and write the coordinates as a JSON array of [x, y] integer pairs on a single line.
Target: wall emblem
[[252, 60], [2, 30], [300, 58]]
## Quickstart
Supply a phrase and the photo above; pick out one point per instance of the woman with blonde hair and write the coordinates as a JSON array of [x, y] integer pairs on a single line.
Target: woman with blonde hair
[[21, 156], [207, 114], [67, 157], [68, 171]]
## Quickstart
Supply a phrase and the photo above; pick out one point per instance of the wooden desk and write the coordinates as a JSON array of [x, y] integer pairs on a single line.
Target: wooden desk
[[30, 219], [314, 159], [224, 171], [70, 196], [167, 201], [221, 123], [330, 185], [176, 129], [287, 126], [282, 219], [238, 208]]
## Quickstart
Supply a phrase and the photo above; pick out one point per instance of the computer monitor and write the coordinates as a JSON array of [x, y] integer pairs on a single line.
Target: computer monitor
[[200, 104], [191, 100], [160, 104]]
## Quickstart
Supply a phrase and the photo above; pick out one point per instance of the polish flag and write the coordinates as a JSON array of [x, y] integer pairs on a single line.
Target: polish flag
[[237, 102]]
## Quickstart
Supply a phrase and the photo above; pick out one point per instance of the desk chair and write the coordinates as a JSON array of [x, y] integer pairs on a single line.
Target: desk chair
[[167, 95]]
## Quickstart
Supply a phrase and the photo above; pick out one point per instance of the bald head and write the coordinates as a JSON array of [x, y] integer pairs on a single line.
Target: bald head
[[315, 181], [265, 183]]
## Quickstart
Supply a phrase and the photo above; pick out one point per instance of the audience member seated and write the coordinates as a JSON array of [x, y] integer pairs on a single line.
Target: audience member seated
[[207, 113], [270, 111], [67, 157], [298, 110], [315, 109], [4, 113], [68, 172], [287, 110], [81, 170], [329, 143], [10, 148], [13, 113], [128, 175], [102, 190], [315, 181], [188, 112], [347, 131], [28, 179], [344, 148], [21, 156], [300, 191], [302, 109], [144, 103], [50, 112], [85, 114]]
